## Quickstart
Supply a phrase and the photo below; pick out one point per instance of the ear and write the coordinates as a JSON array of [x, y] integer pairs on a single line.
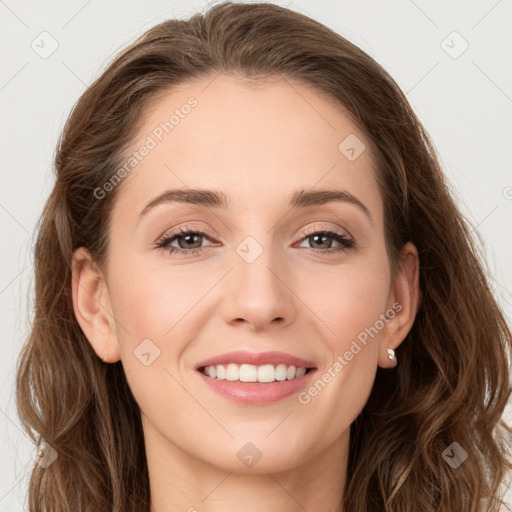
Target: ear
[[91, 303], [404, 301]]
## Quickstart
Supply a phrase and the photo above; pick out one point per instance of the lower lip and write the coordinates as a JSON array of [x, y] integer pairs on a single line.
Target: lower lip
[[257, 393]]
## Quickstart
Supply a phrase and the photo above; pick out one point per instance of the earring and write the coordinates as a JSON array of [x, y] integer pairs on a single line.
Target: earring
[[104, 359], [392, 356]]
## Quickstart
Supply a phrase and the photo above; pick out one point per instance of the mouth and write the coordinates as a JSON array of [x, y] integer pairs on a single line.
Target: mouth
[[250, 378], [245, 357], [250, 373]]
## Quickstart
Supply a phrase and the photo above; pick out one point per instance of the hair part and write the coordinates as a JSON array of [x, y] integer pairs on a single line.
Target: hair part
[[453, 381]]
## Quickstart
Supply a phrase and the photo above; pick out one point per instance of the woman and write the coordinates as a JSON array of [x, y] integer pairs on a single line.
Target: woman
[[329, 341]]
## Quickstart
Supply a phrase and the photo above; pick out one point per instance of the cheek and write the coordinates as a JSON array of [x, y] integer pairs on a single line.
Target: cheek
[[349, 302], [151, 307], [350, 306], [150, 300]]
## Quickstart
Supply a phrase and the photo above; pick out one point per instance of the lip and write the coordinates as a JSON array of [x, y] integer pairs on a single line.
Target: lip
[[257, 359], [257, 393]]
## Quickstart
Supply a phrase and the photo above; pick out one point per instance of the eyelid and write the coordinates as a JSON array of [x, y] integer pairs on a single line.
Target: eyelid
[[316, 228], [185, 228], [304, 233], [346, 242]]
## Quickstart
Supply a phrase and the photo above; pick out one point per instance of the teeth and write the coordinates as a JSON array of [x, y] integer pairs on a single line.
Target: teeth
[[252, 373]]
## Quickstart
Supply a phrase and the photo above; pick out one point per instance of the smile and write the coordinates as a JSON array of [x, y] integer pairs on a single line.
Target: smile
[[256, 393], [252, 373]]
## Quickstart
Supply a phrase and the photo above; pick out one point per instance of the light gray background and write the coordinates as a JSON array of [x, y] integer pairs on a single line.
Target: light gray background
[[465, 103]]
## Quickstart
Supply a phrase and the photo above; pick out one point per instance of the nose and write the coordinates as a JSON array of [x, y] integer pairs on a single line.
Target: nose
[[259, 293]]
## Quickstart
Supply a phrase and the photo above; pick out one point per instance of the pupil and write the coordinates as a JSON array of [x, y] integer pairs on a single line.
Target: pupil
[[189, 239], [319, 236]]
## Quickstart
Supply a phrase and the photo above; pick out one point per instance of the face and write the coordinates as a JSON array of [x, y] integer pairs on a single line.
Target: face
[[269, 270]]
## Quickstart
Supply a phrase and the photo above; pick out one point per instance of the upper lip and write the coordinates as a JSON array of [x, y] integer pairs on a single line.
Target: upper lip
[[256, 358]]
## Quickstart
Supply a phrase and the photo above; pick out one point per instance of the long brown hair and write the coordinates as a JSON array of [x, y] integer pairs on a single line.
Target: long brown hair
[[453, 378]]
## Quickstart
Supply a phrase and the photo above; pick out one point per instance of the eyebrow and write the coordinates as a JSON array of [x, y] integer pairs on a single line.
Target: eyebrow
[[217, 199]]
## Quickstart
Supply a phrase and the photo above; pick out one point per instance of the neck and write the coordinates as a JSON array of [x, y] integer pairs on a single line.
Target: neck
[[180, 482]]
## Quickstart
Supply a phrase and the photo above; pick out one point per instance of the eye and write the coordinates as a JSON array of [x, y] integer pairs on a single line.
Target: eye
[[319, 237], [189, 241], [190, 236]]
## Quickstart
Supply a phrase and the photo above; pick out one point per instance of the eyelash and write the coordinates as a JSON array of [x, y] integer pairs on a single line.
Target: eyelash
[[163, 243]]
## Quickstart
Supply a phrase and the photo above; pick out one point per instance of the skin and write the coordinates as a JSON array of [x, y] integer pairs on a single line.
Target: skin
[[258, 143]]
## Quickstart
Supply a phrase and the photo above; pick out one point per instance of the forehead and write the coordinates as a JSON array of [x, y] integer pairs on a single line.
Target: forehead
[[258, 141]]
